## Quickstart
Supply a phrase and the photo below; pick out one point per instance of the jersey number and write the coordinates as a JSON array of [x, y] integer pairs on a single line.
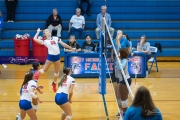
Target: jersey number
[[53, 42]]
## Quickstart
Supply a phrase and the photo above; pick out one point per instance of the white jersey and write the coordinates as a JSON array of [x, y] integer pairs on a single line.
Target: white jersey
[[52, 45], [27, 89], [66, 85], [77, 22]]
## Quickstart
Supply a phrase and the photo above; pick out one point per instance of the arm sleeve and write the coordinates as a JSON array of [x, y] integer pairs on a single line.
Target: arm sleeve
[[34, 85], [127, 43], [73, 81], [159, 114], [97, 21], [109, 23], [148, 46], [45, 43], [71, 20]]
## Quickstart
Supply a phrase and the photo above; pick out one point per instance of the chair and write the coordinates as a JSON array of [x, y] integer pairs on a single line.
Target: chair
[[153, 59]]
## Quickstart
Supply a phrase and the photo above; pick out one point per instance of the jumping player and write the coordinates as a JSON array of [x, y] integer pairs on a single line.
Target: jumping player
[[122, 91], [53, 53], [65, 85], [28, 92]]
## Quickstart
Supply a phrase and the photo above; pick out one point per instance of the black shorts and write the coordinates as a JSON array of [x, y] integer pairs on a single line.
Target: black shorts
[[123, 82], [114, 79]]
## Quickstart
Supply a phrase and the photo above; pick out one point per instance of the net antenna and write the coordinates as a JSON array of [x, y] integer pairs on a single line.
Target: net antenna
[[106, 30]]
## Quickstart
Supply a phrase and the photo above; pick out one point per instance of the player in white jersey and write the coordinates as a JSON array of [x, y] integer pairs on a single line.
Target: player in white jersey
[[28, 92], [66, 85], [53, 53]]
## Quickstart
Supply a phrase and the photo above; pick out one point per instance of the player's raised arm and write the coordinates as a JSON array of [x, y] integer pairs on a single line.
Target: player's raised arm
[[66, 46], [36, 37]]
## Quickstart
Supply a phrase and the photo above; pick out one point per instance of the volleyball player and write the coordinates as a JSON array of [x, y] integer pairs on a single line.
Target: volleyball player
[[28, 92], [35, 69], [122, 91], [53, 53], [65, 85]]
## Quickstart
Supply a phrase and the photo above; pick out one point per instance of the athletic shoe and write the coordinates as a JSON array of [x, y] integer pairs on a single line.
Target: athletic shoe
[[8, 21], [117, 115], [12, 21], [4, 66], [18, 116], [53, 86]]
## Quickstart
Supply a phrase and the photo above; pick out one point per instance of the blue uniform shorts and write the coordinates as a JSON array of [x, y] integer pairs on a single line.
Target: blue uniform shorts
[[53, 58], [61, 98], [25, 105]]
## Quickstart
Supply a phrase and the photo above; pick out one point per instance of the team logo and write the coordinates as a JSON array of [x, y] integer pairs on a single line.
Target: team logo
[[75, 66], [136, 66]]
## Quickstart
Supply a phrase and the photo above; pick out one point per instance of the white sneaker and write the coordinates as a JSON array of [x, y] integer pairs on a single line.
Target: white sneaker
[[8, 21], [18, 116], [4, 66], [147, 72], [12, 21]]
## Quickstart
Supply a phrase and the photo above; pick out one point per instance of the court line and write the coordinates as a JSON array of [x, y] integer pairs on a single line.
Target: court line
[[106, 101]]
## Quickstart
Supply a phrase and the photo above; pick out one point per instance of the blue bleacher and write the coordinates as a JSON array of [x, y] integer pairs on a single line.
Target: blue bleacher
[[159, 20]]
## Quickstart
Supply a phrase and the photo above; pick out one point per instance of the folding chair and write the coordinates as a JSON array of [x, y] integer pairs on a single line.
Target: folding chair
[[153, 59]]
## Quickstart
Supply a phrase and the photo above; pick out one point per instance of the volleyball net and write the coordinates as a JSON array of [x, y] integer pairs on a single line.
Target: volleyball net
[[105, 46]]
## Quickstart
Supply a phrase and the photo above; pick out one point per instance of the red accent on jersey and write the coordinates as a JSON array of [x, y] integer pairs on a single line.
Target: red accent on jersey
[[53, 42]]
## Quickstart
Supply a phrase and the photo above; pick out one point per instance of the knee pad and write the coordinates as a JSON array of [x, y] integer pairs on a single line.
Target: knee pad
[[56, 74], [41, 71], [63, 113], [35, 107], [69, 117], [124, 103], [119, 101]]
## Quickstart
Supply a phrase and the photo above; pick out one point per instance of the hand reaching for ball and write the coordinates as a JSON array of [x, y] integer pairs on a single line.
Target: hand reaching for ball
[[39, 30]]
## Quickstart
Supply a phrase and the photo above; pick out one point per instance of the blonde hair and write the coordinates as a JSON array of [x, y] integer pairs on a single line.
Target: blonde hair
[[74, 43]]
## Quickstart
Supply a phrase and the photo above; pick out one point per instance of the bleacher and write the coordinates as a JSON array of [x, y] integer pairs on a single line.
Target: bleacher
[[159, 20]]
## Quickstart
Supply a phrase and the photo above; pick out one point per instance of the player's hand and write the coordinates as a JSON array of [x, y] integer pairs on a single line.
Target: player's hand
[[74, 49], [41, 92], [70, 101], [40, 101], [39, 30], [40, 87]]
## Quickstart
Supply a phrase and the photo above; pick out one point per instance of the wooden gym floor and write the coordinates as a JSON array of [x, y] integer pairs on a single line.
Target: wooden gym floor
[[87, 102]]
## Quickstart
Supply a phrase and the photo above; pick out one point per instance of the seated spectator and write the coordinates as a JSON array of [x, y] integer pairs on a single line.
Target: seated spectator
[[89, 2], [88, 46], [1, 24], [144, 47], [130, 42], [54, 22], [99, 22], [72, 43], [142, 107], [77, 23]]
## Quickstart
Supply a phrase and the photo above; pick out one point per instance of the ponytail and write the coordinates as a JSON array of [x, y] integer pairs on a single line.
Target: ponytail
[[27, 78], [64, 77]]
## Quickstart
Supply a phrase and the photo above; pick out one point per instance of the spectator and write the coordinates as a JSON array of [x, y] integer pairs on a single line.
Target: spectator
[[77, 23], [72, 43], [89, 2], [119, 42], [99, 22], [11, 8], [144, 47], [88, 46], [142, 107], [130, 42], [1, 24], [54, 22]]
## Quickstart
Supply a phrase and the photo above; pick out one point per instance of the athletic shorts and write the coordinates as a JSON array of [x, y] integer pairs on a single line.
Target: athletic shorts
[[123, 82], [113, 77], [61, 98], [53, 58], [25, 105]]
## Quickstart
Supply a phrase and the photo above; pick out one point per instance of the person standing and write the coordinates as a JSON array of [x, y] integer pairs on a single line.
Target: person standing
[[99, 22], [1, 24], [77, 23], [11, 9], [54, 22], [89, 2]]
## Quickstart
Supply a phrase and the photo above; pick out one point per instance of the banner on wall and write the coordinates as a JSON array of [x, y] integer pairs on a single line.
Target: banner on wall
[[84, 65]]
